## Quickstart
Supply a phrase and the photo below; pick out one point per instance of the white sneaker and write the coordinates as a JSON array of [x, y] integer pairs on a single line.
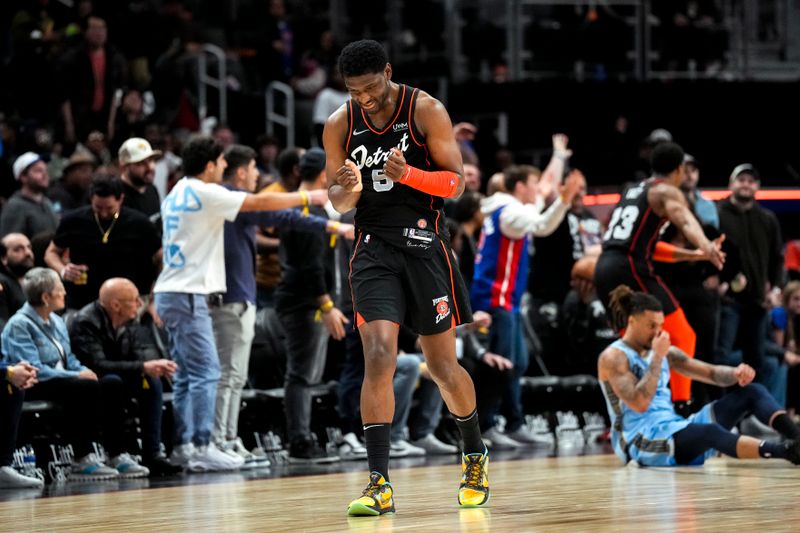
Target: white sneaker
[[351, 448], [260, 456], [91, 468], [209, 458], [525, 436], [11, 479], [182, 454], [403, 448], [497, 441], [128, 467], [434, 446], [236, 448]]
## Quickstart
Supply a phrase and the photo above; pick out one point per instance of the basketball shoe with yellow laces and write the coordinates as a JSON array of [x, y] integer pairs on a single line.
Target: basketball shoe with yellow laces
[[474, 488], [375, 500]]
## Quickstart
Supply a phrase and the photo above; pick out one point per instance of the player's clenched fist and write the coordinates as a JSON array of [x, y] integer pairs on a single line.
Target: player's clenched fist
[[349, 177], [395, 165]]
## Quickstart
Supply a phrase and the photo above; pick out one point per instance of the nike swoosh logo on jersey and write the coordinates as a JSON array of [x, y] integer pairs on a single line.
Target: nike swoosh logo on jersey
[[356, 132]]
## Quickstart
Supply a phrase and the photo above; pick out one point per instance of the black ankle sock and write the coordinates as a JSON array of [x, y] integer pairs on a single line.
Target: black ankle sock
[[770, 450], [784, 425], [378, 441], [470, 433]]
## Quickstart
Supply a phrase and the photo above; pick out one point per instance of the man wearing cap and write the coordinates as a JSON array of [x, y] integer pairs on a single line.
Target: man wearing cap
[[72, 190], [755, 231], [137, 161], [29, 211]]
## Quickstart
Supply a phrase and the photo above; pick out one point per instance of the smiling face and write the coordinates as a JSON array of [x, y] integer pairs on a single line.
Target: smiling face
[[370, 91], [744, 187]]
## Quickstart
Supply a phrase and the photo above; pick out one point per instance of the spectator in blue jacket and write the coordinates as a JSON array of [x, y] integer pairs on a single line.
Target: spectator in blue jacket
[[38, 335]]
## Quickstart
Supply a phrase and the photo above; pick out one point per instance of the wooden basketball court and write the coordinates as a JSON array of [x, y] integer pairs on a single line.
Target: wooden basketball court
[[579, 493]]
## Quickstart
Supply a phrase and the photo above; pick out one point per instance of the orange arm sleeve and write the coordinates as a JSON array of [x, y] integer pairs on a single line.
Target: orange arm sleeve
[[664, 252], [442, 183]]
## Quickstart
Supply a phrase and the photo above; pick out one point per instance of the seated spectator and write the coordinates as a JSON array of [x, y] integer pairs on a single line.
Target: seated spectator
[[16, 256], [38, 335], [17, 378], [29, 211], [107, 338], [105, 240], [783, 341]]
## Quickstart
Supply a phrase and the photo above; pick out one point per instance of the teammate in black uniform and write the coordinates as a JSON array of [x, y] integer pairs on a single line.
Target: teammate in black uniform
[[631, 244], [392, 155]]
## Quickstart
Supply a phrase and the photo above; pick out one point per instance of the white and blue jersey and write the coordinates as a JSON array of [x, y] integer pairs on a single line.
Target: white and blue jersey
[[647, 437]]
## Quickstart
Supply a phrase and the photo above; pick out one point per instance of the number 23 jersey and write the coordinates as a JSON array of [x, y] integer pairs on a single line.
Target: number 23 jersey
[[402, 216], [634, 228]]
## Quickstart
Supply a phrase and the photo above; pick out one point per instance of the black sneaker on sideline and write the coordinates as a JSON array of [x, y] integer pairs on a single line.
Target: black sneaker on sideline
[[160, 467], [793, 451], [305, 450]]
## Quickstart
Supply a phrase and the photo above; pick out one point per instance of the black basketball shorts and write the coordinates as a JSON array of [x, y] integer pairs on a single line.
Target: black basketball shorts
[[424, 293], [614, 268]]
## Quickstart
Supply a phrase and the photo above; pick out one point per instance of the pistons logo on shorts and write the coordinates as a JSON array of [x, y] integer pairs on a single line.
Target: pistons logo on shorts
[[422, 223], [442, 307]]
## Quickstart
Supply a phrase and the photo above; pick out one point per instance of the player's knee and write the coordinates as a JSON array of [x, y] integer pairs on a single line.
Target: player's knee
[[444, 372], [379, 358], [755, 391]]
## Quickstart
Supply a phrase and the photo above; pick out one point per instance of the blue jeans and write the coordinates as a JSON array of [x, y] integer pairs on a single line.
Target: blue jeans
[[506, 338], [192, 347], [404, 382], [428, 412], [150, 404]]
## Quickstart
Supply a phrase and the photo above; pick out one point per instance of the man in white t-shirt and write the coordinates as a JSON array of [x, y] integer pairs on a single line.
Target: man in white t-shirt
[[193, 218]]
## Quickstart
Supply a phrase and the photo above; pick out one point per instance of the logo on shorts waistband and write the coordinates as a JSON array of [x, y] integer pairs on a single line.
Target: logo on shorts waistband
[[442, 307]]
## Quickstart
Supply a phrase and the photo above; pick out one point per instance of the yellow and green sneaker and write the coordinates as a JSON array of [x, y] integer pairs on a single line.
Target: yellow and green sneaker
[[375, 500], [474, 488]]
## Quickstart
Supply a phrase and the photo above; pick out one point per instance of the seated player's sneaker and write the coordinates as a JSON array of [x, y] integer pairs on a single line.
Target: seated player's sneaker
[[128, 467], [434, 446], [11, 479], [375, 500], [474, 488], [91, 468], [793, 449], [351, 447], [403, 448]]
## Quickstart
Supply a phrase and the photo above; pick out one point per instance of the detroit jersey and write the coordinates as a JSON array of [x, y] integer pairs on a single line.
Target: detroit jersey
[[634, 227], [400, 215]]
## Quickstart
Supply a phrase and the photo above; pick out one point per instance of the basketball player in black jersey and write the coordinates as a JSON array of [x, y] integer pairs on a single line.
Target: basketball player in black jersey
[[631, 244], [392, 155]]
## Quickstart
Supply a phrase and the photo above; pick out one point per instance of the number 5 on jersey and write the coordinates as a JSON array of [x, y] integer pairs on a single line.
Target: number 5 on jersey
[[380, 183]]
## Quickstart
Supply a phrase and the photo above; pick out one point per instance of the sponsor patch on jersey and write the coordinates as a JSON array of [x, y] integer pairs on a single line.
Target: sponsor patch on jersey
[[400, 126], [421, 235], [442, 307]]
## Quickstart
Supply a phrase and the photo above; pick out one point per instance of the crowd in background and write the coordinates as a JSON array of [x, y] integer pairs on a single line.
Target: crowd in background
[[91, 160]]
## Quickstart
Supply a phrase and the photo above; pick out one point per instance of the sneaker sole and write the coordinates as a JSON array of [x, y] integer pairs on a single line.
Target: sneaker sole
[[358, 509], [133, 475], [473, 505], [77, 478]]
